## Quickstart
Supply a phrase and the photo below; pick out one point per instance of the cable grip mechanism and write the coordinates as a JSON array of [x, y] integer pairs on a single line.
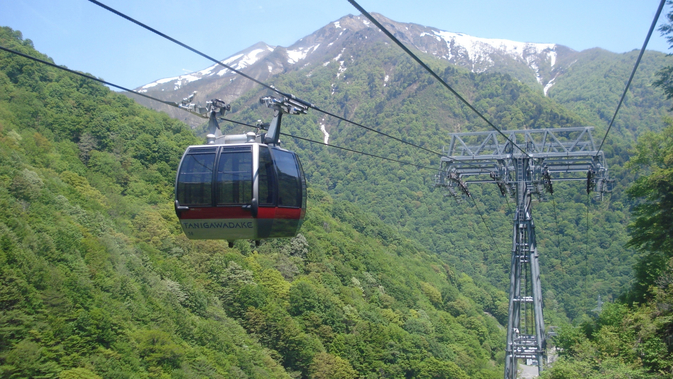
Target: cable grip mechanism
[[287, 105]]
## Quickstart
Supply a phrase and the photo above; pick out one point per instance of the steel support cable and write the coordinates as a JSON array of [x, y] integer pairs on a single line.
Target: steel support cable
[[558, 232], [525, 305], [586, 244], [172, 104], [509, 207], [635, 67], [488, 228], [429, 70], [270, 87]]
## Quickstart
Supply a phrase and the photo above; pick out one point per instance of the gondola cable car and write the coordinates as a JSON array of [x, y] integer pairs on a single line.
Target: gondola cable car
[[242, 186]]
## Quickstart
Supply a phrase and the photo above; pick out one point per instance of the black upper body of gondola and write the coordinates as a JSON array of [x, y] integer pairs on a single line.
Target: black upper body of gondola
[[241, 186]]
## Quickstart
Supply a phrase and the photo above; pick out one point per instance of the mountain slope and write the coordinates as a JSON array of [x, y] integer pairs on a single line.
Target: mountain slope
[[384, 89], [593, 84], [350, 68], [99, 281]]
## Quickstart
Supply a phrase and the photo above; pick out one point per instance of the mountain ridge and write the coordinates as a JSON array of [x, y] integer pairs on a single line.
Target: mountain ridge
[[541, 66], [325, 45]]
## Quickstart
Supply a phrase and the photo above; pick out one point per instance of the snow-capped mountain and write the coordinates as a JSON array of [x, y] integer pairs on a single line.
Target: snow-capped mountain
[[535, 64], [214, 73], [477, 54]]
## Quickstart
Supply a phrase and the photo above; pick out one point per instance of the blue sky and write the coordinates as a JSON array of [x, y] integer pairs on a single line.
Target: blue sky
[[83, 36]]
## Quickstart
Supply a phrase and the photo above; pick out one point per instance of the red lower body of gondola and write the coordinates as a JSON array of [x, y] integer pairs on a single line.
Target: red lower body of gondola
[[231, 223]]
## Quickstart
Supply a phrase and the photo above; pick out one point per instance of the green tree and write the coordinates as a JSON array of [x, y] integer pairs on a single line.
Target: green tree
[[328, 366], [157, 347], [78, 373], [433, 368], [651, 228], [665, 75]]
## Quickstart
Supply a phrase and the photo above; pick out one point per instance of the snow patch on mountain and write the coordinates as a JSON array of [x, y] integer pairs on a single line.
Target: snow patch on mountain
[[479, 47], [548, 86], [479, 51], [160, 81], [207, 71], [532, 64], [552, 56], [232, 59], [324, 132], [146, 86], [238, 62], [342, 69], [179, 82], [301, 53], [250, 58]]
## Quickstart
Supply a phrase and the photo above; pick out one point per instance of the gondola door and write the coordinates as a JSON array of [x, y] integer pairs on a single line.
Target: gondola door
[[234, 197], [214, 192], [266, 195]]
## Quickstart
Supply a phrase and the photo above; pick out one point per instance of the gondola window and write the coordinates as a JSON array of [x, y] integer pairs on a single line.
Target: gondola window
[[234, 177], [289, 194], [266, 177], [195, 182]]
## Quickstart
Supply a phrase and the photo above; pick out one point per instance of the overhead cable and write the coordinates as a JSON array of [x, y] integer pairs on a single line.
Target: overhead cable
[[358, 152], [428, 69], [335, 146], [270, 87], [198, 114], [586, 241], [640, 56]]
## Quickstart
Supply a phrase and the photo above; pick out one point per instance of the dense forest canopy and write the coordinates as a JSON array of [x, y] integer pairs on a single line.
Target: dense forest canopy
[[633, 337], [387, 277], [582, 258], [99, 281]]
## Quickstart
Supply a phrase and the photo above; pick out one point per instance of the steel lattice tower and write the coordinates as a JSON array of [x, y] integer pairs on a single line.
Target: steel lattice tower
[[522, 165]]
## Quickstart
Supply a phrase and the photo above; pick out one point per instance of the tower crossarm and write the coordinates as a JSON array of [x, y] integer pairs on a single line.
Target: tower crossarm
[[562, 154], [533, 141]]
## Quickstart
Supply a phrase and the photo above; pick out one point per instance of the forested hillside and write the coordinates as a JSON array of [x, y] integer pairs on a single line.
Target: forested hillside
[[583, 254], [388, 278], [353, 70], [633, 337], [98, 281], [593, 84]]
